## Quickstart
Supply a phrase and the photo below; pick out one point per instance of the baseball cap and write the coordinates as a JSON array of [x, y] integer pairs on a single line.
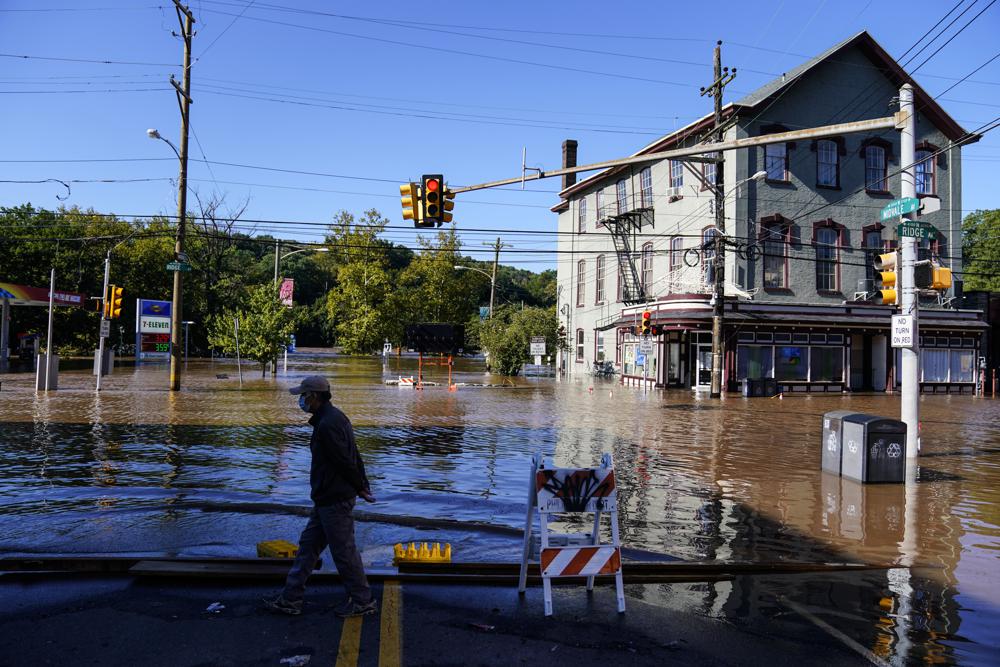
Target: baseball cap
[[311, 383]]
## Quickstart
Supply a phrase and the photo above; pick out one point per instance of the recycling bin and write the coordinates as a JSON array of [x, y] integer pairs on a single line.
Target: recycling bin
[[831, 444], [873, 449]]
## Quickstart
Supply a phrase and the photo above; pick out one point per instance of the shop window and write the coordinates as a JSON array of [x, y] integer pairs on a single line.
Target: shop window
[[791, 362], [935, 364], [826, 364], [754, 362], [962, 365]]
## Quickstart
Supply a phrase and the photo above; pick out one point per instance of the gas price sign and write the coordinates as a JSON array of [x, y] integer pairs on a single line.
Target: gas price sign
[[154, 342]]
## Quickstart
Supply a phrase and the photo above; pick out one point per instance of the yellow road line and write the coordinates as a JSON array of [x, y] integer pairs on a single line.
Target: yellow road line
[[390, 648], [350, 642]]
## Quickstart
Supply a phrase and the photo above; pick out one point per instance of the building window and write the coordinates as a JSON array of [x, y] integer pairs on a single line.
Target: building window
[[599, 279], [581, 281], [708, 171], [601, 213], [579, 345], [621, 280], [826, 364], [775, 242], [776, 162], [791, 362], [708, 253], [676, 252], [827, 164], [873, 247], [599, 346], [581, 223], [875, 169], [647, 266], [621, 197], [924, 172], [827, 240], [646, 186], [676, 174], [754, 362]]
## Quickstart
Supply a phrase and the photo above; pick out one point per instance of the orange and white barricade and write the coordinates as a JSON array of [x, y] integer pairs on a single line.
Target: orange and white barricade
[[572, 490]]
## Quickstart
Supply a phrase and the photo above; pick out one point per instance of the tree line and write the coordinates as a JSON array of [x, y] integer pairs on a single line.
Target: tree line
[[359, 292]]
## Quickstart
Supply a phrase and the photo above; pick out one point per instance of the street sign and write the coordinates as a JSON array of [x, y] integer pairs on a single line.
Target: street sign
[[105, 328], [646, 344], [929, 205], [917, 230], [537, 346], [902, 331], [640, 359], [178, 266], [895, 209]]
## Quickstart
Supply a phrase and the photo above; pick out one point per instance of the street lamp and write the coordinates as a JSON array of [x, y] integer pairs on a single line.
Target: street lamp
[[493, 280], [186, 323], [177, 303], [278, 258]]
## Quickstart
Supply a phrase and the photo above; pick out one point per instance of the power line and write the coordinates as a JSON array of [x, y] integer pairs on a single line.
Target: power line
[[85, 60]]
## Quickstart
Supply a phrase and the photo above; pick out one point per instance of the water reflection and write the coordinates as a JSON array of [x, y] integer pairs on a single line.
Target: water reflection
[[144, 469]]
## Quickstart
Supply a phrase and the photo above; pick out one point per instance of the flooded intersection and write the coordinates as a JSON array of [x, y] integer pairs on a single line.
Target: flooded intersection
[[216, 468]]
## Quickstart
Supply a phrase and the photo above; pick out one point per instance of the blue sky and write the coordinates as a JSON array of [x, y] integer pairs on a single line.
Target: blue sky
[[367, 96]]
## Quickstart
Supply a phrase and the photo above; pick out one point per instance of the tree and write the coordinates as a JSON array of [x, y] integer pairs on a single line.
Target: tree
[[432, 290], [508, 336], [265, 327], [981, 251]]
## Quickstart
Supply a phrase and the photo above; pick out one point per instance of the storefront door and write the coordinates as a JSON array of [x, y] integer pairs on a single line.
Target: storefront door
[[703, 359]]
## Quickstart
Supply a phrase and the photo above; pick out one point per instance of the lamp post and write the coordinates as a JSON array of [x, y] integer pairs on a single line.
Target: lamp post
[[718, 287], [186, 323], [493, 280], [177, 303], [278, 257]]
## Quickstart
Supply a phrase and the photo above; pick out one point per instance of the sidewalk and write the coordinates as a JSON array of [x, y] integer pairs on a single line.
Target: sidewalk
[[127, 621]]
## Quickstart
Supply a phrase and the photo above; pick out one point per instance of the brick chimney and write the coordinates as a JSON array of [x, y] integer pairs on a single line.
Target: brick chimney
[[568, 160]]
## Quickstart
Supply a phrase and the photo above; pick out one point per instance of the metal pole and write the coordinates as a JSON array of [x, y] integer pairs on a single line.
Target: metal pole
[[184, 97], [277, 249], [185, 342], [48, 339], [718, 290], [4, 334], [104, 312], [910, 371], [239, 367]]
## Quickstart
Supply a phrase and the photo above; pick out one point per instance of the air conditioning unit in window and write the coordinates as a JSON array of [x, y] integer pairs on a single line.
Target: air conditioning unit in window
[[675, 192]]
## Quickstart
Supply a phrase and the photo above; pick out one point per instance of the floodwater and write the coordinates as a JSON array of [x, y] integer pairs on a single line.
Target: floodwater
[[215, 468]]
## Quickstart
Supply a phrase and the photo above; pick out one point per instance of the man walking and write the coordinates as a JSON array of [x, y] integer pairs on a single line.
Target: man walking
[[337, 477]]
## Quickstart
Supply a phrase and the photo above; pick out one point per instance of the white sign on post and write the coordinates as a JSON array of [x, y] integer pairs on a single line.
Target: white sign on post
[[537, 346], [646, 344], [105, 328], [902, 331]]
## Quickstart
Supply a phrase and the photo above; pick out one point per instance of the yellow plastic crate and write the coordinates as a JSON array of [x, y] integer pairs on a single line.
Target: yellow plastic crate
[[277, 549], [421, 554]]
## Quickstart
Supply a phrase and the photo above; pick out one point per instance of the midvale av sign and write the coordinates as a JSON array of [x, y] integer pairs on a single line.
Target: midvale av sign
[[152, 337]]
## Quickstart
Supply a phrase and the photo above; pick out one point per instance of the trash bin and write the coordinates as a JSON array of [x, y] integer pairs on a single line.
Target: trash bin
[[832, 440], [769, 387], [873, 449]]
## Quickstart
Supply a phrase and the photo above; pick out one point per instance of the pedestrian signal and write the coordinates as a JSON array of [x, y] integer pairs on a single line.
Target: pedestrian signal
[[645, 325], [941, 279], [410, 199], [885, 279], [431, 189]]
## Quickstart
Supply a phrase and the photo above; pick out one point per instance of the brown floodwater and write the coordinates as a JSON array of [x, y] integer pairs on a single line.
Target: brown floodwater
[[215, 468]]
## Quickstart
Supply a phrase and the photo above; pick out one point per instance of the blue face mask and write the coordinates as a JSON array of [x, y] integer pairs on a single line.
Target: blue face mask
[[302, 403]]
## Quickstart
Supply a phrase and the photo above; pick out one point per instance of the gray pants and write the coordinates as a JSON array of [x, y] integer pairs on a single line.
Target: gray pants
[[331, 525]]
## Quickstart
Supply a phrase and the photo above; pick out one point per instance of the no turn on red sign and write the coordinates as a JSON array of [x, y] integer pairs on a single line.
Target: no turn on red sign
[[902, 331]]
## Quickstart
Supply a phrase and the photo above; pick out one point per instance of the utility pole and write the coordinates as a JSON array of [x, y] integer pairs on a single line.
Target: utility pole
[[721, 77], [493, 281], [909, 303], [104, 317], [183, 91]]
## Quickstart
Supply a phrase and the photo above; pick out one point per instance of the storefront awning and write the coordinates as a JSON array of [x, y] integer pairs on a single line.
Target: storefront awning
[[23, 295]]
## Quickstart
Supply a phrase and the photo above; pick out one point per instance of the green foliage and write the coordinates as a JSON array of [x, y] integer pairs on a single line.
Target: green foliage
[[431, 289], [265, 327], [508, 336], [981, 251]]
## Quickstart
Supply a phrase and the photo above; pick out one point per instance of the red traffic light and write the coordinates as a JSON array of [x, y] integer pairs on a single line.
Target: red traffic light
[[647, 315], [433, 184]]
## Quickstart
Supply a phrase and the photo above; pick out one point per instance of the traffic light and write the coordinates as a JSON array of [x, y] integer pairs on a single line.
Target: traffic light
[[113, 306], [655, 330], [645, 325], [885, 278], [941, 279], [431, 188], [410, 198], [447, 204]]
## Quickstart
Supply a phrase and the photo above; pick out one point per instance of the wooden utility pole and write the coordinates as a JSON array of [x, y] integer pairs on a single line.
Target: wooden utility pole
[[721, 77], [183, 90], [493, 279]]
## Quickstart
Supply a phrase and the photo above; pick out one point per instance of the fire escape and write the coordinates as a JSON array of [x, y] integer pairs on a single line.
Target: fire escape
[[624, 224]]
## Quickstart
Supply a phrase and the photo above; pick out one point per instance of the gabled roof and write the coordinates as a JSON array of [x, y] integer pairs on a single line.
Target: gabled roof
[[925, 104]]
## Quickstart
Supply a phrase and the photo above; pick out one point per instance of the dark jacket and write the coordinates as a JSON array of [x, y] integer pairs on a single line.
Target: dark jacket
[[337, 472]]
